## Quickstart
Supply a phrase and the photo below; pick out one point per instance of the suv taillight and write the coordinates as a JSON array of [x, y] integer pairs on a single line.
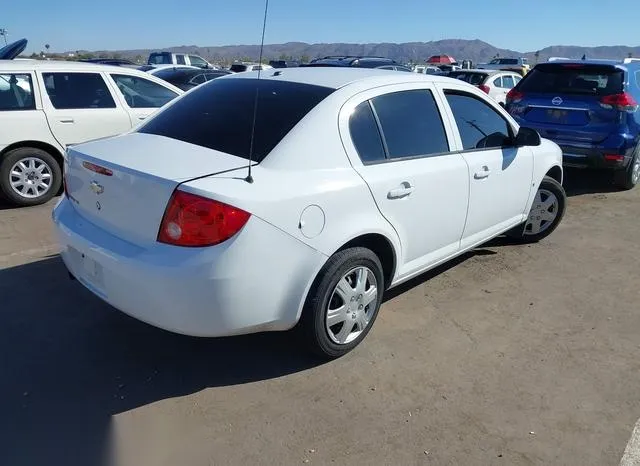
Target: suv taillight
[[192, 220], [484, 88], [513, 96], [623, 102]]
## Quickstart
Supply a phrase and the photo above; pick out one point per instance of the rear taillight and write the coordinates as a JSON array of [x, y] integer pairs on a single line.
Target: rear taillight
[[192, 220], [513, 96], [623, 102], [484, 88]]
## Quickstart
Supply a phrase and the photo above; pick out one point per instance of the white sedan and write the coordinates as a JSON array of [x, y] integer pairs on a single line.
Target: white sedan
[[360, 180]]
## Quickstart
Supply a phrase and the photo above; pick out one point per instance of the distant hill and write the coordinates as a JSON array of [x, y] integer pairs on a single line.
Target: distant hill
[[415, 52]]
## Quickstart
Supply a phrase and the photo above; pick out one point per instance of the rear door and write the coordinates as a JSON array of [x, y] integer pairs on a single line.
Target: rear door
[[141, 96], [399, 144], [500, 175], [80, 106], [563, 101]]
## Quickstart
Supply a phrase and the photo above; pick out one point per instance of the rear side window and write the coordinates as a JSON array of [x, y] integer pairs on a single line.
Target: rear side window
[[162, 58], [365, 134], [472, 78], [180, 60], [411, 123], [572, 78], [480, 126], [220, 114], [507, 82], [497, 82], [16, 92], [77, 90], [142, 93]]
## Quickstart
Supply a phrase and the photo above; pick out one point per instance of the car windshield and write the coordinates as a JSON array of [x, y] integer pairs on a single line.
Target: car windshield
[[572, 78], [161, 58], [220, 114], [238, 68], [472, 78]]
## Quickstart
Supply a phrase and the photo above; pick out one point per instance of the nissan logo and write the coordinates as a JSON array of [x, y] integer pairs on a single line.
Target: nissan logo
[[556, 101]]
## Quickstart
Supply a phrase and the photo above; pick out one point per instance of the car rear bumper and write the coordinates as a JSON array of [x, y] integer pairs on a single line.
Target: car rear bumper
[[255, 281], [597, 158]]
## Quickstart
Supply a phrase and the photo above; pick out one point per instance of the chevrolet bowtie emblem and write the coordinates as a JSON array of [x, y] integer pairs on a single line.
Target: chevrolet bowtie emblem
[[96, 187]]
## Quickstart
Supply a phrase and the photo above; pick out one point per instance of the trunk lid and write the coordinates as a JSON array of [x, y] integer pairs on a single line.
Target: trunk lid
[[123, 184]]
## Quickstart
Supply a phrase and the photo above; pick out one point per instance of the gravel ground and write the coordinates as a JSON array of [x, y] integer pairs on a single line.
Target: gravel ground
[[513, 355]]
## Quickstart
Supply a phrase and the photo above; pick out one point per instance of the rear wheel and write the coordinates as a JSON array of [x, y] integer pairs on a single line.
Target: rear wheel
[[627, 179], [343, 302], [545, 215], [29, 176]]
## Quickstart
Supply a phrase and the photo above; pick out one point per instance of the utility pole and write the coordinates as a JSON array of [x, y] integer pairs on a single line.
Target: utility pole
[[4, 33]]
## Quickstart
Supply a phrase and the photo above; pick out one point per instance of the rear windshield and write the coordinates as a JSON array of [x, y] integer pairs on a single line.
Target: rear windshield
[[472, 78], [238, 68], [573, 79], [219, 114], [162, 58]]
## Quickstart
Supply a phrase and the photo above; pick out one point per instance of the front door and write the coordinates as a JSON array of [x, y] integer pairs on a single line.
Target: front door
[[80, 107], [398, 143], [500, 174]]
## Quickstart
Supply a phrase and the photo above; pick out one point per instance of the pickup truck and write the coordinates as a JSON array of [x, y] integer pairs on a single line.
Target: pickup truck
[[519, 65]]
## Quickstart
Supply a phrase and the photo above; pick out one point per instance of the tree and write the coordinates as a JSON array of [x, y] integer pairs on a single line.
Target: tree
[[305, 59]]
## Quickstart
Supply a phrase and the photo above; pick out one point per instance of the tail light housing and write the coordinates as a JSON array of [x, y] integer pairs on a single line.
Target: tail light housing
[[484, 88], [513, 96], [623, 102], [195, 221]]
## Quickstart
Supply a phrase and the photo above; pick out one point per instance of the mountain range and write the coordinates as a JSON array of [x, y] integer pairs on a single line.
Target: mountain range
[[415, 52]]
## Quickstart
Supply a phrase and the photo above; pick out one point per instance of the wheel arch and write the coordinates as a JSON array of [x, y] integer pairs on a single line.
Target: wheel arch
[[555, 172], [382, 247]]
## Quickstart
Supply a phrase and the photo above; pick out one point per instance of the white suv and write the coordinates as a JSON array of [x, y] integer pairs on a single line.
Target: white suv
[[48, 105]]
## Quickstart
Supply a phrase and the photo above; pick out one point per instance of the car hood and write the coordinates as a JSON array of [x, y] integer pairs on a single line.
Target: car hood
[[11, 51]]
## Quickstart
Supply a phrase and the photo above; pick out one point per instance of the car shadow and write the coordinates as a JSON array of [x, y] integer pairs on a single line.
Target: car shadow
[[69, 363], [578, 182]]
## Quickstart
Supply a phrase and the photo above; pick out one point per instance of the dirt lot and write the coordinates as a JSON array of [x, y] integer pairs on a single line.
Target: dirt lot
[[512, 355]]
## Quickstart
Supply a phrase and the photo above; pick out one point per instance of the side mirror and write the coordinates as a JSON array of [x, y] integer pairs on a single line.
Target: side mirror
[[527, 137]]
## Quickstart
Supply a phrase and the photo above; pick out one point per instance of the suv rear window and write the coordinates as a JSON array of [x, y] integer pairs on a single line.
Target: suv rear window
[[572, 78], [161, 58], [472, 78], [220, 114]]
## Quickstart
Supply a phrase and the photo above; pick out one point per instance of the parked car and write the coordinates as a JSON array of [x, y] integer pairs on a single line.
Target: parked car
[[519, 65], [169, 58], [48, 105], [284, 63], [358, 62], [243, 67], [186, 78], [427, 69], [590, 109], [112, 61], [360, 180], [495, 83]]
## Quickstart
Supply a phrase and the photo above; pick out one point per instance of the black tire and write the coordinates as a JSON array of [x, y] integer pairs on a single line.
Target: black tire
[[312, 323], [521, 233], [15, 155], [627, 179]]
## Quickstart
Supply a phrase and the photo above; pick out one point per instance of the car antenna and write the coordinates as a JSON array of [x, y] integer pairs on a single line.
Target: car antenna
[[249, 178]]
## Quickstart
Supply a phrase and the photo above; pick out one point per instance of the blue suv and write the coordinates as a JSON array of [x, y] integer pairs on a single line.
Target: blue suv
[[589, 108]]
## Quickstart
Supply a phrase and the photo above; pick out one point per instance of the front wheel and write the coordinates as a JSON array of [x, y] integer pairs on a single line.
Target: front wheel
[[545, 215], [343, 302], [29, 176]]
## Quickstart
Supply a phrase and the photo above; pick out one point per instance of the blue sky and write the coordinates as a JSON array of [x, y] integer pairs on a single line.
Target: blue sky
[[127, 24]]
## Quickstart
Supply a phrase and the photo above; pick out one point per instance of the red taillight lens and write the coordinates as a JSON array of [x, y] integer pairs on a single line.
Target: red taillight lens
[[192, 220], [623, 102], [484, 88], [614, 157], [514, 96]]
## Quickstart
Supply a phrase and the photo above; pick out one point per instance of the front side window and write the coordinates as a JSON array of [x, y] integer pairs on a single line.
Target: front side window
[[142, 93], [411, 123], [480, 126], [365, 134], [220, 115], [197, 61], [180, 60], [77, 90], [16, 92]]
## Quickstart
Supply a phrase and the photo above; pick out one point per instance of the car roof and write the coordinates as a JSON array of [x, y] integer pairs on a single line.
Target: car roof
[[8, 65], [564, 61], [336, 78]]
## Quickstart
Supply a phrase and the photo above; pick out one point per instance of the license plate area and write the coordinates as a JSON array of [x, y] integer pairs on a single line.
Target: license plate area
[[86, 268]]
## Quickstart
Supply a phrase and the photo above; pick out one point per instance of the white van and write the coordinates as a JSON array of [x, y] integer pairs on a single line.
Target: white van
[[48, 105]]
